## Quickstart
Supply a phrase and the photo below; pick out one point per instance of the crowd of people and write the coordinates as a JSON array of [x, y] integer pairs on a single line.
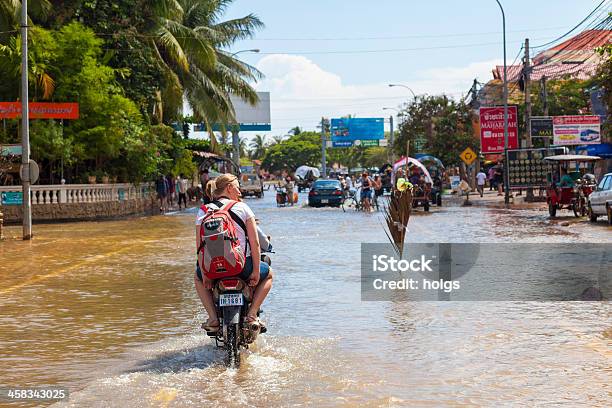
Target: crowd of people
[[171, 190]]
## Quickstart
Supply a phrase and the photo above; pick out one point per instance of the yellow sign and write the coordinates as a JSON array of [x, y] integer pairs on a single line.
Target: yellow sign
[[468, 156]]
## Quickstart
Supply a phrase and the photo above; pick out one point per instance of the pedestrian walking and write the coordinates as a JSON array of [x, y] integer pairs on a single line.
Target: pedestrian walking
[[491, 178], [161, 186], [181, 188], [499, 179], [171, 190], [481, 179]]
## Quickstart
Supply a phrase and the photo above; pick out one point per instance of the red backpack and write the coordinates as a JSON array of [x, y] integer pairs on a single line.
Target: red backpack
[[220, 253]]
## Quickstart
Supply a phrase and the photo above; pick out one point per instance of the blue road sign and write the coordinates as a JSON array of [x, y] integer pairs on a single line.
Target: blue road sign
[[351, 129]]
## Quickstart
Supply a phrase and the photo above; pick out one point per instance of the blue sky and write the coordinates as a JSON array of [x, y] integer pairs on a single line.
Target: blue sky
[[306, 83]]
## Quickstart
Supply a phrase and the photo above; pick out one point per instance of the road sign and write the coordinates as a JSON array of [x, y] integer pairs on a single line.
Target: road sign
[[34, 171], [11, 198], [352, 129], [468, 156]]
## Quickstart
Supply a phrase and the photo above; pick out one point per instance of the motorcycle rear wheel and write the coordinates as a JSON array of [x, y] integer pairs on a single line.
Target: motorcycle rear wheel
[[232, 348]]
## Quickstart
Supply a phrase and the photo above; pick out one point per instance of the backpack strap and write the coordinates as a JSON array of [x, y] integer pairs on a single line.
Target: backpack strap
[[235, 217]]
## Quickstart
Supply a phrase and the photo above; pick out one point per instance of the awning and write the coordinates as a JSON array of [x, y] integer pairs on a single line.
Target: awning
[[413, 162], [602, 150]]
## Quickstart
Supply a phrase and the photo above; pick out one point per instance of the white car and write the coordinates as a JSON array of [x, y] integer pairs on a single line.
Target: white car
[[600, 200]]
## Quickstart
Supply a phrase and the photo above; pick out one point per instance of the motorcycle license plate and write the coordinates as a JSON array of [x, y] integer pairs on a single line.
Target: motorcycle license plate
[[324, 201], [230, 299]]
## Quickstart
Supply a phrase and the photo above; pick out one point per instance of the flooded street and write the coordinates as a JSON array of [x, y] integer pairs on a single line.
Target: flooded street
[[109, 311]]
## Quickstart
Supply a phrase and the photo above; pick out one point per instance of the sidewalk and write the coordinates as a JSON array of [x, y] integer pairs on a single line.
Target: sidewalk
[[492, 200]]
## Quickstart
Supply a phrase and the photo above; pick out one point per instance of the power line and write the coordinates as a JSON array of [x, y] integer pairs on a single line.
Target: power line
[[402, 37], [386, 50], [572, 30]]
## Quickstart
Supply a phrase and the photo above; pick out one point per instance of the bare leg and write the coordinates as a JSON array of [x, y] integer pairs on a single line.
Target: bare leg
[[206, 297], [261, 291]]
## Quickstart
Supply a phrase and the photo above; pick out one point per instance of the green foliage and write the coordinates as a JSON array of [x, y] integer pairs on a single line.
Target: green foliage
[[442, 124], [301, 149]]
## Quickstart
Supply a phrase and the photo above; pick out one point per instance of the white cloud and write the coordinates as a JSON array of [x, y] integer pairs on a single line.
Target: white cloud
[[302, 92]]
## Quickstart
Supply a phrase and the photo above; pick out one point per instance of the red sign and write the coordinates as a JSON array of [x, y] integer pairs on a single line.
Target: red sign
[[40, 110], [492, 129]]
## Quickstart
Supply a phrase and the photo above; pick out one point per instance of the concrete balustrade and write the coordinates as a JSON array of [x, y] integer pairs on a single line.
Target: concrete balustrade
[[83, 193], [71, 202]]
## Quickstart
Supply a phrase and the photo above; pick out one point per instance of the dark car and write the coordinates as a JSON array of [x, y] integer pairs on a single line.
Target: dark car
[[325, 192]]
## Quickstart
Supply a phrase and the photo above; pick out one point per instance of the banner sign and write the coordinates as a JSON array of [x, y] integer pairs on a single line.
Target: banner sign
[[11, 198], [353, 129], [10, 150], [576, 130], [492, 129], [527, 168], [40, 110], [541, 126]]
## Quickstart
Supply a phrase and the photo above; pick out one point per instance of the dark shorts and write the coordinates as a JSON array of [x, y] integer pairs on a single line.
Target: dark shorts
[[264, 270]]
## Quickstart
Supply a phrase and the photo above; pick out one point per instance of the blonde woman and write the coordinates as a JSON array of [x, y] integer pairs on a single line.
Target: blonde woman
[[256, 273]]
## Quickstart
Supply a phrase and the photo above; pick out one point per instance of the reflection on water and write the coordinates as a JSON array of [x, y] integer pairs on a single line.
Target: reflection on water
[[108, 310]]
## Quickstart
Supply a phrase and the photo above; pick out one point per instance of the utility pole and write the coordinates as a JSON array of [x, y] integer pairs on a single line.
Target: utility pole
[[391, 139], [506, 175], [527, 85], [25, 128], [323, 146], [544, 96], [527, 81]]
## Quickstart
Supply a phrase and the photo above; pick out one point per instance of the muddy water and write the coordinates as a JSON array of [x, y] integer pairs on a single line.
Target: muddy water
[[109, 311]]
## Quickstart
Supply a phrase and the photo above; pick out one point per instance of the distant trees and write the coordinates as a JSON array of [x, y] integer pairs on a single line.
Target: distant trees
[[302, 149], [442, 125]]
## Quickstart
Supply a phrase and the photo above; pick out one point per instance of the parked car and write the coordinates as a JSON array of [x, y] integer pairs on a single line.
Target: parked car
[[325, 193], [251, 185], [600, 200]]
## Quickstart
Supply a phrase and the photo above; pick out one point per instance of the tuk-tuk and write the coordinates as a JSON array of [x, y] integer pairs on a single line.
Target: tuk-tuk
[[570, 186], [419, 177]]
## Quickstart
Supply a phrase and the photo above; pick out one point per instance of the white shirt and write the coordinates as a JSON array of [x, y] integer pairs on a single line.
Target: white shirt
[[181, 185], [481, 178], [349, 183], [241, 210]]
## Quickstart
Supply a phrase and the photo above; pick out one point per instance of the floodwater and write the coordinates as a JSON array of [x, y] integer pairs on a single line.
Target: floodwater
[[109, 311]]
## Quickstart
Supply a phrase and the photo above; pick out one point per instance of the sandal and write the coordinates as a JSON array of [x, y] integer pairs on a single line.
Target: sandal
[[211, 325], [254, 320]]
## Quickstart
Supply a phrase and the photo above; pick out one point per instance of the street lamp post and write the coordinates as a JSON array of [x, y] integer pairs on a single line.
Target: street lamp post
[[236, 130], [404, 86], [391, 136], [506, 179]]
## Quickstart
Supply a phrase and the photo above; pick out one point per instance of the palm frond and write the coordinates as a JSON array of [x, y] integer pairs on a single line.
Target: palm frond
[[397, 215]]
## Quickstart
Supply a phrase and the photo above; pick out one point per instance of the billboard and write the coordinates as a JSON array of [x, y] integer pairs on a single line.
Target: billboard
[[492, 129], [576, 130], [253, 117], [40, 110], [541, 126], [346, 132], [527, 168]]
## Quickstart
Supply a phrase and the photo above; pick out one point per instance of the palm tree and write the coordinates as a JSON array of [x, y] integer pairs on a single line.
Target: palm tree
[[296, 131], [258, 146], [278, 139], [191, 42], [242, 143]]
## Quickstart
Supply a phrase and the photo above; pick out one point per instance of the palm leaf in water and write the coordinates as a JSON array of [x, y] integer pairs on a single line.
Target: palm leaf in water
[[397, 214]]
